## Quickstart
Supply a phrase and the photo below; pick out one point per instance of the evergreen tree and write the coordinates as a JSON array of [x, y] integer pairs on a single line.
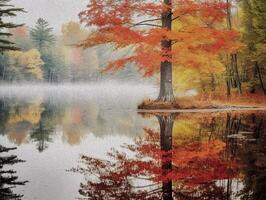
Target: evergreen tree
[[8, 178], [42, 34], [7, 10], [46, 126]]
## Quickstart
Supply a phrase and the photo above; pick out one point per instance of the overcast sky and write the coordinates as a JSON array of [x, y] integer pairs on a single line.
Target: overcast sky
[[56, 12]]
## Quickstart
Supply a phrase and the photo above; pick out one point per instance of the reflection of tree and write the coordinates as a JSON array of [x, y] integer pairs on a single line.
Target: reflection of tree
[[46, 126], [17, 118], [41, 135], [4, 114], [22, 120], [165, 167], [248, 140], [8, 178]]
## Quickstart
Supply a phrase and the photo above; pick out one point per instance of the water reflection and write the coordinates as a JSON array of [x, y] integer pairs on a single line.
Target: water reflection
[[8, 177], [46, 126], [38, 121], [53, 125], [186, 156], [222, 157]]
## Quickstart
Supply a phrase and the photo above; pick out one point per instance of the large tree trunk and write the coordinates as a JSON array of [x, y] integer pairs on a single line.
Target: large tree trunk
[[228, 77], [260, 77], [166, 127], [166, 88], [232, 68], [237, 77]]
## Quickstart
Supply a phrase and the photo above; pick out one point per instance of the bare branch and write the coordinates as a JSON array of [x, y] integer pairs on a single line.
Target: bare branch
[[173, 42], [148, 20], [177, 17], [146, 24]]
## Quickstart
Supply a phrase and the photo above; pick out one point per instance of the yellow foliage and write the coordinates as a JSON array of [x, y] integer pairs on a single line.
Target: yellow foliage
[[185, 130], [73, 33], [185, 79], [30, 113], [28, 62], [188, 76]]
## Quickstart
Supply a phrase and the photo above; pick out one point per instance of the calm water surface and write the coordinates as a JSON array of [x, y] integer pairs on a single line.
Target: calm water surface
[[88, 143]]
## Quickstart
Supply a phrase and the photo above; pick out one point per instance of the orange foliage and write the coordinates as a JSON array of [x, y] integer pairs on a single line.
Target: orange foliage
[[130, 23], [194, 166], [194, 162], [20, 32]]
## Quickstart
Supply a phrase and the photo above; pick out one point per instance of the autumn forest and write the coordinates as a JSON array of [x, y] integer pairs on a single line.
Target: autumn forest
[[209, 47], [132, 99]]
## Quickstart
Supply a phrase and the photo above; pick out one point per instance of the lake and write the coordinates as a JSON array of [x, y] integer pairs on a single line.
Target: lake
[[78, 141]]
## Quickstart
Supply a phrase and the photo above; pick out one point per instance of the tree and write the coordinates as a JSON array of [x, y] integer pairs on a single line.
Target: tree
[[73, 33], [83, 62], [8, 178], [253, 35], [157, 48], [259, 15], [45, 128], [233, 78], [3, 66], [42, 34], [54, 66], [166, 167], [25, 65], [7, 10], [21, 37]]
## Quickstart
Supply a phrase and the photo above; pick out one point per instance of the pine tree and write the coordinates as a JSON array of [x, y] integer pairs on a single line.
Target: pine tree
[[42, 34], [8, 178], [7, 10]]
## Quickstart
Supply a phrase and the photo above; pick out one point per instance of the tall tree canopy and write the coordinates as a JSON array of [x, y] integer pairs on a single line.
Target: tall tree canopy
[[259, 16], [42, 34], [254, 36], [7, 10], [146, 27]]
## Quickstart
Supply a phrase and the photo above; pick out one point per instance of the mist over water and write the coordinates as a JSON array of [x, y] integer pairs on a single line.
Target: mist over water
[[53, 124], [108, 94]]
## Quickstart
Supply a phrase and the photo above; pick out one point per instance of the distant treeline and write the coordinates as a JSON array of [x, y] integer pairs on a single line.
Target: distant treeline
[[46, 57]]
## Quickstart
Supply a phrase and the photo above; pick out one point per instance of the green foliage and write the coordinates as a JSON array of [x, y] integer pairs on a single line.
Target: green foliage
[[248, 33], [6, 11], [3, 66], [253, 29], [54, 68], [42, 34], [9, 178], [4, 115], [259, 17]]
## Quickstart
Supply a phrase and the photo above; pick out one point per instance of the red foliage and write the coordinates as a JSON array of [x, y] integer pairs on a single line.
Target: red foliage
[[195, 166], [128, 23]]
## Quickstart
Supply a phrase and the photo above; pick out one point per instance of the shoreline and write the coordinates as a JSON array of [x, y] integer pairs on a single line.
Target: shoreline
[[195, 110]]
